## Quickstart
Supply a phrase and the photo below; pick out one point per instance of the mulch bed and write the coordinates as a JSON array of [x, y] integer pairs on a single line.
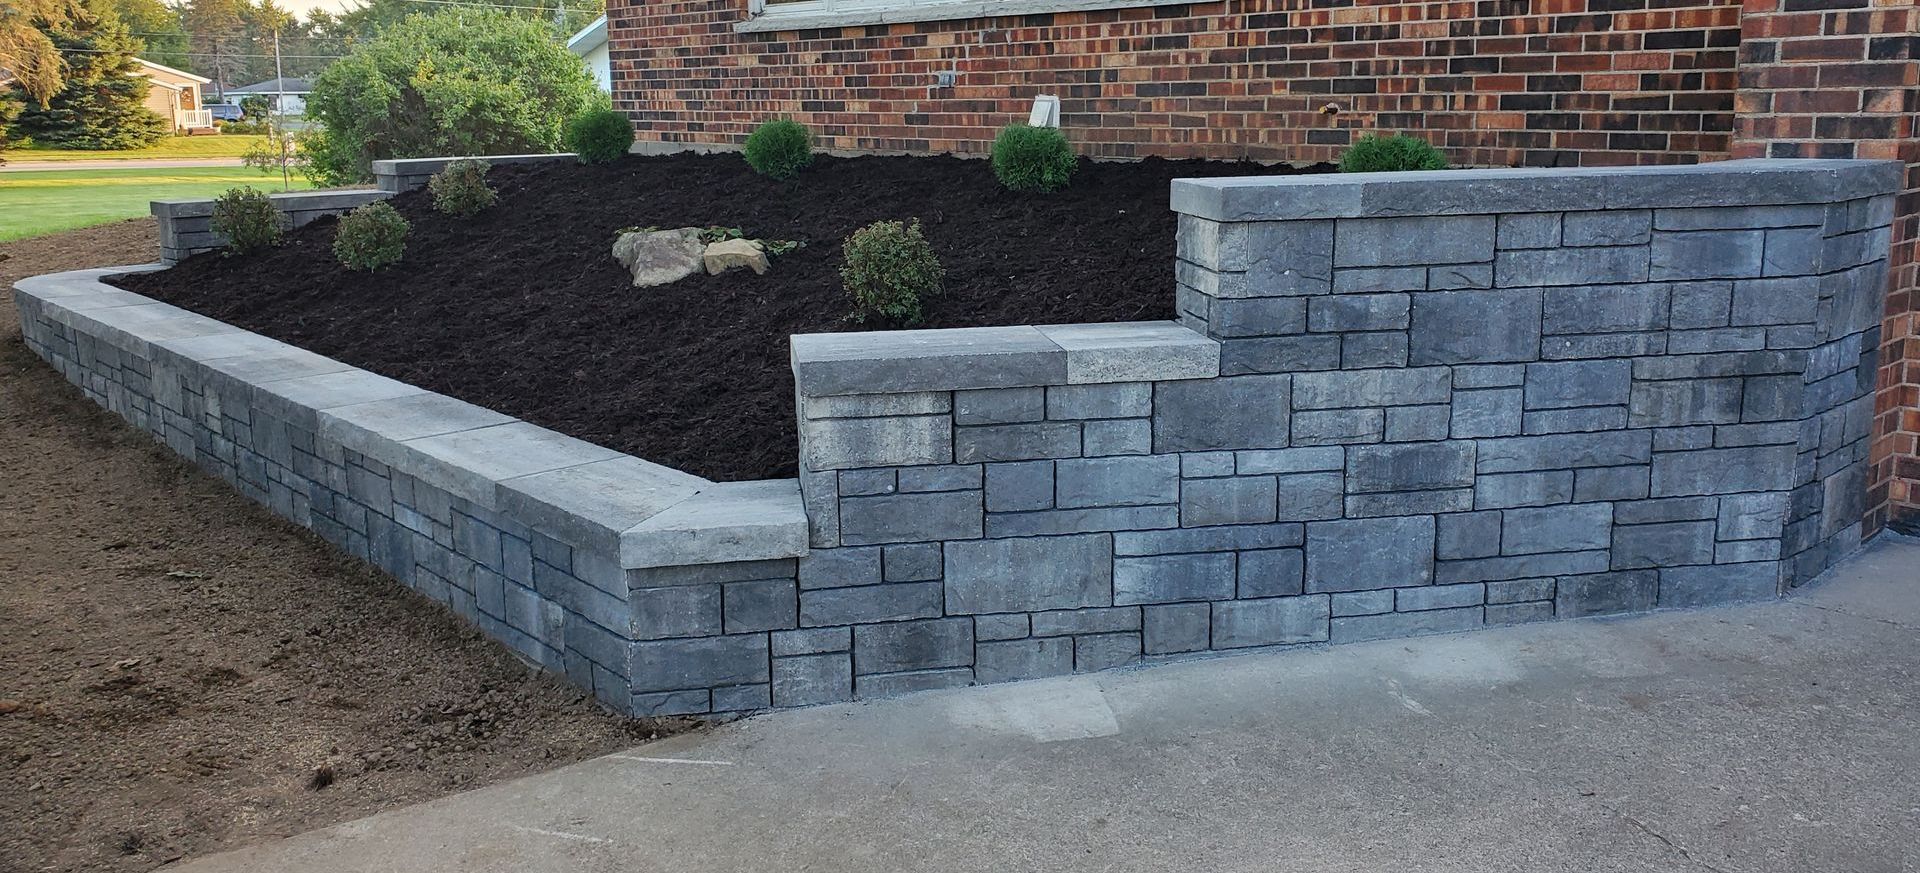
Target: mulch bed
[[523, 310]]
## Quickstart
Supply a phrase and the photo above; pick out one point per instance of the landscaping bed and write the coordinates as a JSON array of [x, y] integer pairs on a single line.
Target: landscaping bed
[[523, 310]]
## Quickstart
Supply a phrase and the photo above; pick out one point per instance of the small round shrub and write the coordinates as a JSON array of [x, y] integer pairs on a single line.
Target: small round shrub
[[461, 189], [599, 136], [370, 237], [889, 269], [1033, 158], [780, 148], [1391, 154], [248, 219]]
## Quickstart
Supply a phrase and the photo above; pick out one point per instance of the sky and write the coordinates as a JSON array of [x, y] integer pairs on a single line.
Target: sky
[[301, 7]]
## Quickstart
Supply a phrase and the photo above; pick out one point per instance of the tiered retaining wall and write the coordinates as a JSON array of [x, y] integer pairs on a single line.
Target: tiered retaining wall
[[1393, 404]]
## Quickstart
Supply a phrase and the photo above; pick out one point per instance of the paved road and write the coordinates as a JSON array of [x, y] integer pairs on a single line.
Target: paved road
[[13, 166], [1770, 737]]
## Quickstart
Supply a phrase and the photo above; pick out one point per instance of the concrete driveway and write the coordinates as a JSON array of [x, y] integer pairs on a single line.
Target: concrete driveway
[[1779, 736]]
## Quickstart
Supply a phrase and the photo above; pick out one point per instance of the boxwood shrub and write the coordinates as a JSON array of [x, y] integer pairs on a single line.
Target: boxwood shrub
[[461, 189], [370, 237], [890, 268], [1387, 154], [599, 136], [248, 219], [780, 148], [1029, 158]]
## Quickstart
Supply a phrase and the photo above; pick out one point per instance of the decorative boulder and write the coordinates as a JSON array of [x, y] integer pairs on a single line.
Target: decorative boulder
[[657, 257], [729, 254]]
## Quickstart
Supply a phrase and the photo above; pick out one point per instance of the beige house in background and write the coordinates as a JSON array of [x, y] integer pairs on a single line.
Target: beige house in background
[[175, 96]]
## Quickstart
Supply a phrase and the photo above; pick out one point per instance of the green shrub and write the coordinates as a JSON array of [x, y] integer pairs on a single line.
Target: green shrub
[[370, 237], [461, 189], [248, 219], [1389, 154], [1033, 158], [780, 148], [599, 136], [889, 269]]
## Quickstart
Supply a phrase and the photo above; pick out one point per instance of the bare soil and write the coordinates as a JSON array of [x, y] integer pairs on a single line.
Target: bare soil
[[182, 672]]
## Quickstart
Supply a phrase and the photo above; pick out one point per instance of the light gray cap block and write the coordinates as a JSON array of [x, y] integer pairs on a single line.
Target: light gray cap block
[[1134, 351], [471, 463], [378, 428], [285, 201], [726, 522], [592, 505], [1747, 182], [957, 359]]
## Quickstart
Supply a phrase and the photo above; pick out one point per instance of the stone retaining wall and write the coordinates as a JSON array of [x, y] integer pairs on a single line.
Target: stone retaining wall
[[406, 174], [186, 225]]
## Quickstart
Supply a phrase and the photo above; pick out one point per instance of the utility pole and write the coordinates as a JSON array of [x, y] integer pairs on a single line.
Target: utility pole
[[279, 132]]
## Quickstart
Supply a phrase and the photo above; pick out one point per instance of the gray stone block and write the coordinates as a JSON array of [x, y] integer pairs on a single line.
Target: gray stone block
[[1592, 484], [1489, 376], [1202, 465], [878, 685], [1119, 481], [1300, 460], [742, 698], [1468, 535], [862, 483], [1429, 597], [1019, 485], [917, 562], [877, 405], [1362, 603], [956, 477], [1374, 280], [815, 641], [1519, 590], [913, 645], [1310, 496], [1271, 573], [1057, 522], [1289, 257], [669, 703], [1272, 621], [669, 665], [1529, 230], [1586, 419], [1119, 400], [1776, 398], [826, 607], [894, 362], [1010, 660], [1708, 254], [1606, 593], [1722, 471], [1360, 554], [1455, 277], [1105, 651], [1355, 312], [1330, 427], [1011, 626], [1510, 490], [1720, 583], [1571, 266], [1241, 500], [812, 679], [768, 604], [1517, 454], [1776, 301], [1233, 412], [1642, 546], [1176, 627], [725, 522], [1490, 413], [1701, 304], [1752, 516], [1128, 436], [1028, 575], [1519, 613], [1683, 402], [678, 611], [1410, 466], [1793, 252], [1418, 423], [1404, 502], [840, 568], [1133, 351], [1258, 316], [1577, 383], [1371, 388], [1364, 350], [999, 406], [1571, 528], [1096, 620], [1288, 354], [1606, 308], [1016, 442], [1173, 578], [1618, 227], [1737, 217], [1426, 239], [1746, 551], [1603, 345], [1405, 624], [906, 518], [1209, 539], [1665, 509], [1475, 327]]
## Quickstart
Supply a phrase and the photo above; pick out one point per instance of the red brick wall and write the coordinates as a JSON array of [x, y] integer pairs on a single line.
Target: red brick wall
[[1841, 78], [1546, 82]]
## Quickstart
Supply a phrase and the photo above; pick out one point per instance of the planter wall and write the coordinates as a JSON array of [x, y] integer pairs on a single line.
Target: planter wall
[[1393, 404]]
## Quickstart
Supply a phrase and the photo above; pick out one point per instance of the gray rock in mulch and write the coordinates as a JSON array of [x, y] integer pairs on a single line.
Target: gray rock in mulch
[[657, 257]]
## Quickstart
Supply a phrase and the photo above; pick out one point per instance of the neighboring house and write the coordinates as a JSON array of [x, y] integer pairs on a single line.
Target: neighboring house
[[591, 45], [285, 96], [175, 96]]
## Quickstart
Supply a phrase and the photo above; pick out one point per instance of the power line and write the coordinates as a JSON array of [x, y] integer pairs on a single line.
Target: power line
[[213, 54]]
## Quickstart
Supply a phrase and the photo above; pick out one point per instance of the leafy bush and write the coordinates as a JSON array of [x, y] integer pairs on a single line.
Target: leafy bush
[[780, 148], [1033, 158], [599, 136], [461, 189], [463, 81], [889, 269], [370, 237], [99, 103], [248, 219], [1388, 154]]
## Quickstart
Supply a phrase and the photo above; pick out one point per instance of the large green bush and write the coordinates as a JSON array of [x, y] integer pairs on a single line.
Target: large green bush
[[461, 189], [780, 148], [458, 82], [370, 237], [1029, 158], [599, 136], [1389, 154], [890, 268], [248, 219]]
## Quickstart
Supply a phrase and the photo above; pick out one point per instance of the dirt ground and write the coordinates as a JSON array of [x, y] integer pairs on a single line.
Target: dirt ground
[[182, 672]]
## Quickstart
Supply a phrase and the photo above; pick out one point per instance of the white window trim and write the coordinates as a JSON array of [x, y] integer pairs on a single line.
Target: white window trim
[[763, 17]]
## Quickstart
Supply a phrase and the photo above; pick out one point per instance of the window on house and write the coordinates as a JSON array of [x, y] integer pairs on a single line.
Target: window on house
[[772, 15]]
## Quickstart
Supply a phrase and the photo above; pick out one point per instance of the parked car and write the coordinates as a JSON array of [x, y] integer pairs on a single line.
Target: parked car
[[225, 112]]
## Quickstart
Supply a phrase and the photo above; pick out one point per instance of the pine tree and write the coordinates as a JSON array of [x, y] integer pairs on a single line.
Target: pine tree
[[99, 106]]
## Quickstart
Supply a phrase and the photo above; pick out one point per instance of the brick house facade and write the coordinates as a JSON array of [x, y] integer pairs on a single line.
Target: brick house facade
[[1495, 82]]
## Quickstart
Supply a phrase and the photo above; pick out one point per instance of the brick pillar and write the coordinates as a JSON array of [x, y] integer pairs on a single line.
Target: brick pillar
[[1841, 79]]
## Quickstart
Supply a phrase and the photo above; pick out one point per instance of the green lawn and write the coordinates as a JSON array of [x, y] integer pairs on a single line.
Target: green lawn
[[44, 201], [221, 146]]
